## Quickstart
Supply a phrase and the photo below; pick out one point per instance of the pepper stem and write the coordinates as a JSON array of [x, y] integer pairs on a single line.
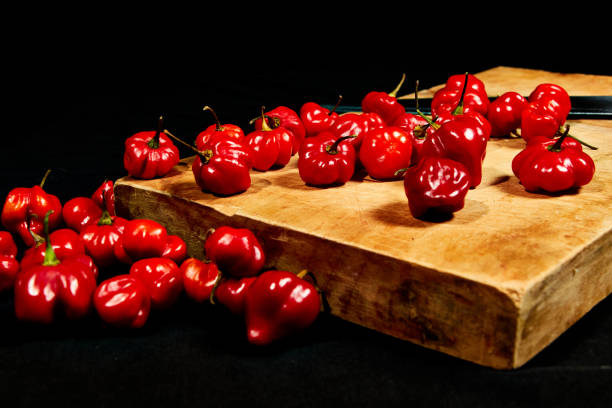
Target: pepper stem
[[582, 142], [264, 123], [50, 257], [336, 105], [397, 88], [44, 179], [459, 109], [302, 273], [557, 146], [208, 108], [429, 121], [205, 155], [400, 171], [211, 297], [154, 142], [105, 218], [333, 148]]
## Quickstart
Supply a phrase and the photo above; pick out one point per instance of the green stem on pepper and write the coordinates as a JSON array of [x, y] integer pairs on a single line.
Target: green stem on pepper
[[459, 109], [154, 142], [50, 257], [205, 155], [397, 88], [575, 138], [557, 146], [333, 148], [44, 179]]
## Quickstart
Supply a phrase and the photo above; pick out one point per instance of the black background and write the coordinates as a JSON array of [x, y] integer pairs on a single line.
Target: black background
[[73, 95]]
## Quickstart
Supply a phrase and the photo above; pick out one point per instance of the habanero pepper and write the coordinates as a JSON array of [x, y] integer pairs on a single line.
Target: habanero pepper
[[176, 249], [104, 196], [101, 237], [162, 279], [8, 246], [228, 130], [317, 119], [384, 151], [150, 154], [324, 160], [66, 244], [25, 208], [236, 251], [122, 301], [287, 118], [555, 98], [79, 212], [199, 278], [143, 238], [467, 90], [9, 265], [416, 126], [505, 112], [231, 293], [553, 165], [384, 104], [271, 147], [278, 304], [356, 124]]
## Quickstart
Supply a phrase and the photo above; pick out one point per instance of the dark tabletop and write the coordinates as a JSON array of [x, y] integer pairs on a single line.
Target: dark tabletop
[[72, 113]]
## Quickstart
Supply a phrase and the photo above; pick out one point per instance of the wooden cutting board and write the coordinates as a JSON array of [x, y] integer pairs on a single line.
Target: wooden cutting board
[[494, 285]]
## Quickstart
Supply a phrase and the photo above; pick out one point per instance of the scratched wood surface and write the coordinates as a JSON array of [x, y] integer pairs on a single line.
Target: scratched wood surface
[[494, 284]]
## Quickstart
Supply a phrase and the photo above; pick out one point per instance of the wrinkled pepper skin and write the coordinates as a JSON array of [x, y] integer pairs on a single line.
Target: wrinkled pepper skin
[[436, 185], [66, 244], [199, 278], [149, 154], [474, 99], [416, 126], [24, 210], [356, 124], [9, 265], [326, 160], [554, 98], [143, 238], [224, 167], [227, 130], [316, 119], [270, 147], [386, 105], [553, 165], [231, 293], [8, 246], [100, 239], [176, 249], [162, 278], [385, 151], [79, 212], [122, 301], [104, 197], [538, 120], [279, 304], [287, 118], [236, 251], [505, 113]]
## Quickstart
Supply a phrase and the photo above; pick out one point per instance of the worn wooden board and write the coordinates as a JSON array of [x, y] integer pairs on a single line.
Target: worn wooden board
[[494, 284]]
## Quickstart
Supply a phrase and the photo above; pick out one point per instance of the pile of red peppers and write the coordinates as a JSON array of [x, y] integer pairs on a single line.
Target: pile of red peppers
[[439, 158]]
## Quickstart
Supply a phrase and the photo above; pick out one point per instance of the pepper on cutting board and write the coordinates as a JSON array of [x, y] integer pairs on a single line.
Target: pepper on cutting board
[[466, 91], [317, 119], [228, 130], [356, 124], [326, 160], [287, 118], [505, 112], [270, 147], [386, 105], [384, 151]]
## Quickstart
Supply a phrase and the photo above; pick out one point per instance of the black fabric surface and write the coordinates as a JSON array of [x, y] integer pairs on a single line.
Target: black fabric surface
[[71, 112]]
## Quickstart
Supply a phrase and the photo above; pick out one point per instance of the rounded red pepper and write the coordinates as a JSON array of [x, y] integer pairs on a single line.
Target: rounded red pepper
[[176, 249], [104, 196], [199, 278], [9, 266], [469, 95], [236, 251], [416, 126], [143, 238], [162, 278], [66, 243], [538, 120], [228, 130], [271, 147], [553, 165], [384, 151], [79, 212], [25, 208], [122, 301], [356, 124], [384, 104], [505, 113], [7, 244], [436, 185], [287, 118], [317, 119], [326, 160], [100, 238], [278, 304], [231, 293], [150, 154], [555, 98], [54, 287]]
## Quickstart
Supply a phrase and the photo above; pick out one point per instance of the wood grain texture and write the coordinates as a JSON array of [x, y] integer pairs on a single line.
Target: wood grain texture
[[494, 284]]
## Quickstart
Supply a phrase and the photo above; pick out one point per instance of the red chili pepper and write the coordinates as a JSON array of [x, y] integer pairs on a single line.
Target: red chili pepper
[[384, 151], [66, 244], [555, 98], [553, 165], [436, 185], [199, 278], [231, 293], [271, 147], [162, 278], [122, 301], [538, 120], [79, 212], [416, 126], [384, 104], [505, 113], [470, 94], [150, 154], [54, 287], [278, 304], [325, 160], [356, 124], [7, 244], [104, 196], [236, 251], [143, 238], [176, 249], [101, 237], [25, 208], [228, 130], [317, 119], [287, 118], [9, 266]]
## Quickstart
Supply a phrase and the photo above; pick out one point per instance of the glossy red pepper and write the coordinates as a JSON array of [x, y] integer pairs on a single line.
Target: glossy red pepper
[[7, 244], [25, 208], [176, 249], [54, 287], [150, 154], [554, 98], [143, 238], [101, 237], [79, 212], [279, 304], [104, 196], [505, 113], [163, 279], [386, 105], [66, 244], [9, 266], [199, 278], [271, 147], [231, 293], [553, 165], [470, 94], [436, 185], [538, 120], [236, 251], [287, 118], [356, 124], [227, 130], [326, 160], [317, 119], [416, 126], [384, 151], [122, 301]]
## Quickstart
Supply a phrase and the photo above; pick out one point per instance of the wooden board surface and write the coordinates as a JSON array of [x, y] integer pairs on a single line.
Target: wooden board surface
[[493, 285]]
